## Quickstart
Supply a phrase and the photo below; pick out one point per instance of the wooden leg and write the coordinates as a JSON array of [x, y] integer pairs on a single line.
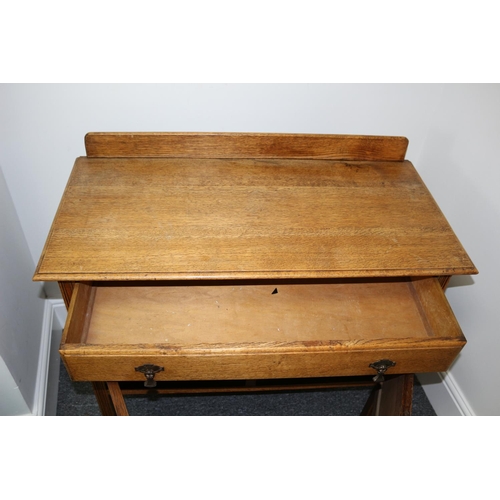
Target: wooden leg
[[103, 398], [392, 398], [110, 399], [117, 398]]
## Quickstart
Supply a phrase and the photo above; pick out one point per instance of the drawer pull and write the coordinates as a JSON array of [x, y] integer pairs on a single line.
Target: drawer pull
[[149, 371], [381, 366]]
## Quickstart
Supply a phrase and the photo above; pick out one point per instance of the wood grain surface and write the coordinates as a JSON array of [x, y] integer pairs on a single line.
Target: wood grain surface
[[220, 207], [245, 145], [224, 332], [191, 315], [119, 365], [157, 218]]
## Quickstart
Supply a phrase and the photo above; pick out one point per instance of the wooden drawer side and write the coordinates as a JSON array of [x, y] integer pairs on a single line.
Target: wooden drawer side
[[79, 314]]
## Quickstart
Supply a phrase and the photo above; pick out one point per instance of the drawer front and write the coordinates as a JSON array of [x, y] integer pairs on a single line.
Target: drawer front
[[332, 330], [257, 366]]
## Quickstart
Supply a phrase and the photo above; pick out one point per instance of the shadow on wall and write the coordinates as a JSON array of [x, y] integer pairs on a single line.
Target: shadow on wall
[[461, 281]]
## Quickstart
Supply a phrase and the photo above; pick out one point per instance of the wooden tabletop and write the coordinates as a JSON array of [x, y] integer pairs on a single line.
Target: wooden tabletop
[[169, 218]]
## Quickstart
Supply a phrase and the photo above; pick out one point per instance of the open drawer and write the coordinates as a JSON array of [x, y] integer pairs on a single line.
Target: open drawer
[[258, 330]]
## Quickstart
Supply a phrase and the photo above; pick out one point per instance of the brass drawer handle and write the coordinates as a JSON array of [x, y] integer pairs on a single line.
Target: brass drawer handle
[[381, 366], [149, 371]]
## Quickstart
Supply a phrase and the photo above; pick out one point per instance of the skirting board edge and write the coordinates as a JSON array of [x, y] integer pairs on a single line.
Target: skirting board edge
[[445, 394], [53, 314]]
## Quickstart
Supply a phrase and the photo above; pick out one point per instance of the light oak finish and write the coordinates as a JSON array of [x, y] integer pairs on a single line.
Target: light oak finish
[[243, 332], [162, 219], [104, 399], [244, 145], [392, 397], [66, 288], [247, 386], [117, 397], [167, 248]]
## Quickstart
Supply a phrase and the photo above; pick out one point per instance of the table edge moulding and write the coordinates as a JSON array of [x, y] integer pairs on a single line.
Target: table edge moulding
[[210, 262]]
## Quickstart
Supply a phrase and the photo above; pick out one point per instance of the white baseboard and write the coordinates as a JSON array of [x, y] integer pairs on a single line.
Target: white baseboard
[[445, 394], [48, 359]]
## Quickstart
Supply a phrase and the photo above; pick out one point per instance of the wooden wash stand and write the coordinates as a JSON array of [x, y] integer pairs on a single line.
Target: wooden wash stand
[[234, 261]]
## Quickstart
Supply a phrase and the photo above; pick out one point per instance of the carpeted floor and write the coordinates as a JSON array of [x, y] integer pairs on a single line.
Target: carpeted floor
[[77, 398]]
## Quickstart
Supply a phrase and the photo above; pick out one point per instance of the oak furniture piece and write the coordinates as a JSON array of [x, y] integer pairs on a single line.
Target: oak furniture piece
[[253, 261]]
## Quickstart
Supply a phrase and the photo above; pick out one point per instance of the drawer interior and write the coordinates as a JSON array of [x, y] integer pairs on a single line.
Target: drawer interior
[[258, 313], [210, 318]]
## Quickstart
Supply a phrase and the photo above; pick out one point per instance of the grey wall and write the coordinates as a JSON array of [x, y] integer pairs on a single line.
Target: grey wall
[[21, 313], [460, 163]]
